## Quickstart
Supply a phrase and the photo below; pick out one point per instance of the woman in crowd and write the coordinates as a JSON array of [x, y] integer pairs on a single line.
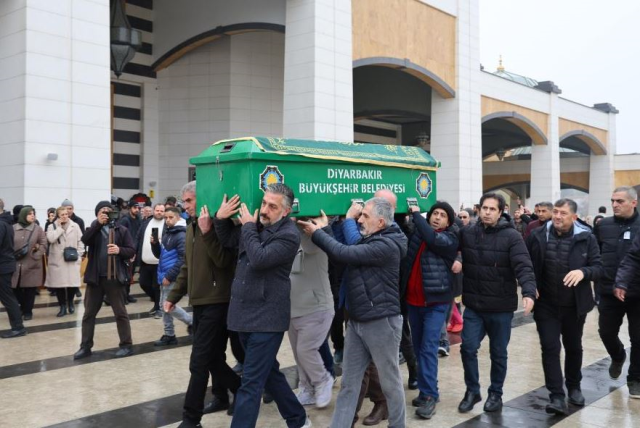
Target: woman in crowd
[[64, 237], [29, 245], [51, 217]]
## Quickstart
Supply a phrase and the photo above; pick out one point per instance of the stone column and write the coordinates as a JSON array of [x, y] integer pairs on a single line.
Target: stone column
[[456, 128], [602, 168], [55, 103], [545, 160], [318, 76]]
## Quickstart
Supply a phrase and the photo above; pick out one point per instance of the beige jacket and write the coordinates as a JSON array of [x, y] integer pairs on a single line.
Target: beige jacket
[[60, 273]]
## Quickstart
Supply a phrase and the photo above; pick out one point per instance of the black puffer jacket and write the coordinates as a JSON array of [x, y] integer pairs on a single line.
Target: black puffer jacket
[[583, 254], [436, 260], [374, 271], [610, 234], [492, 259], [628, 276]]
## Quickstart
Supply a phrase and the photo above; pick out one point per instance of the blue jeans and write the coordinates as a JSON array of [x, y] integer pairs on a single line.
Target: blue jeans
[[262, 371], [177, 312], [497, 325], [426, 323]]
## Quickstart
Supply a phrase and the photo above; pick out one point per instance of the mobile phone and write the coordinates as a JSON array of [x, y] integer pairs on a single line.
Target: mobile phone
[[154, 233]]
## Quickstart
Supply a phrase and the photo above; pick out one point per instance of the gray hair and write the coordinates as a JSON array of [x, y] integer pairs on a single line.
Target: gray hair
[[284, 190], [382, 208], [630, 191], [190, 187]]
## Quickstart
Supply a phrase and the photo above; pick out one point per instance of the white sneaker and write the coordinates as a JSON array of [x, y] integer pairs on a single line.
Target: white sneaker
[[307, 423], [323, 393], [305, 396]]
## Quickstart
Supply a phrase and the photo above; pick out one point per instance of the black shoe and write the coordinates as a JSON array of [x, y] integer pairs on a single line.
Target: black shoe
[[189, 424], [14, 333], [470, 399], [28, 317], [493, 403], [216, 405], [232, 406], [62, 312], [72, 307], [557, 406], [152, 312], [131, 299], [615, 369], [401, 359], [576, 398], [78, 293], [634, 388], [82, 353], [166, 341], [427, 410], [124, 352], [419, 401], [106, 302], [190, 330], [267, 398], [413, 374], [52, 293]]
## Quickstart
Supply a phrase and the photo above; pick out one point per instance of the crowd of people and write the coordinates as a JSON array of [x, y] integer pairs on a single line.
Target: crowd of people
[[380, 286]]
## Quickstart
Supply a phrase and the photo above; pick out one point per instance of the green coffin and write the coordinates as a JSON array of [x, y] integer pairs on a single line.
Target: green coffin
[[326, 175]]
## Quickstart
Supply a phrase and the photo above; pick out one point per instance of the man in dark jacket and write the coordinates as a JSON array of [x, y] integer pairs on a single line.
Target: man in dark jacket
[[543, 213], [615, 235], [171, 258], [428, 281], [494, 255], [206, 276], [132, 222], [7, 267], [373, 302], [260, 308], [100, 280], [566, 259]]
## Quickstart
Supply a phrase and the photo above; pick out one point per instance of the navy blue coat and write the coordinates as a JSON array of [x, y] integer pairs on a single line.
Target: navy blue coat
[[436, 260], [171, 254]]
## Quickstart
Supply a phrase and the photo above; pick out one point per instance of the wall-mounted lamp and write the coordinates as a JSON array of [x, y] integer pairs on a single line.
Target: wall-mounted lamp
[[52, 156]]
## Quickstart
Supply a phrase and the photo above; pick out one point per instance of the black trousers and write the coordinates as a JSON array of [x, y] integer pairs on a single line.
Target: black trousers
[[26, 298], [208, 356], [612, 312], [406, 344], [9, 301], [149, 283], [555, 323], [65, 295], [217, 388], [337, 325]]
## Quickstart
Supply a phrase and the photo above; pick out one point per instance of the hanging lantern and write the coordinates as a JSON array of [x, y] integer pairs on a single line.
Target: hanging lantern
[[501, 153], [125, 41]]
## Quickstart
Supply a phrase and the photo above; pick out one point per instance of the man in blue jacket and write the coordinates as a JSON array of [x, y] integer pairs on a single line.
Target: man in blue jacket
[[260, 307], [433, 248], [566, 259], [171, 257], [373, 299]]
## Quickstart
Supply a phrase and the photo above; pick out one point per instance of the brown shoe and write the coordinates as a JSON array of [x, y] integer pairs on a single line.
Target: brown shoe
[[378, 414]]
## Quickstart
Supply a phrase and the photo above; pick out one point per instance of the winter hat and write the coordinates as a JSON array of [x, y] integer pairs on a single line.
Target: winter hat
[[66, 203], [443, 206], [101, 205]]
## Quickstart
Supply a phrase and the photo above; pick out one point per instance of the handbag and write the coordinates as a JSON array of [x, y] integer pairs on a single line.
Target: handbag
[[24, 250], [70, 254]]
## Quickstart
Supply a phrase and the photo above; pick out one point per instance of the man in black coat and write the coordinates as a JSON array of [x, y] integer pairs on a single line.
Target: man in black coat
[[628, 284], [566, 259], [7, 267], [100, 281], [260, 306], [615, 235], [494, 255], [373, 303], [132, 222]]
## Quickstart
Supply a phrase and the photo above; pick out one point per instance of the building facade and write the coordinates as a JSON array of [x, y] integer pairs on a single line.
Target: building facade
[[378, 71]]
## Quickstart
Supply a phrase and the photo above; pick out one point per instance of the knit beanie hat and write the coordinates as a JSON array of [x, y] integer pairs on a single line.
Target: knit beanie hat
[[66, 203], [443, 206], [101, 205]]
